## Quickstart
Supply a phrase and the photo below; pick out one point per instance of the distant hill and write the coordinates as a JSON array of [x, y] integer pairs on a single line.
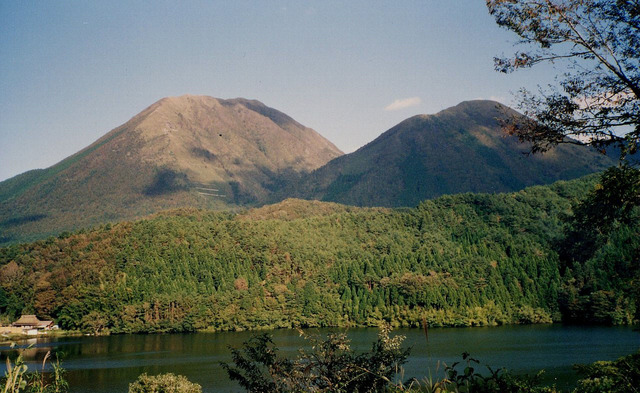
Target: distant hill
[[192, 151], [293, 209], [461, 149]]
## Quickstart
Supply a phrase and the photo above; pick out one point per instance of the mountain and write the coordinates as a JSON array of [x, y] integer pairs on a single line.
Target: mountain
[[196, 151], [181, 151], [461, 149]]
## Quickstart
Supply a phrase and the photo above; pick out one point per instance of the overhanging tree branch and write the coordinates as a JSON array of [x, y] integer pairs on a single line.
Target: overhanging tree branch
[[598, 99]]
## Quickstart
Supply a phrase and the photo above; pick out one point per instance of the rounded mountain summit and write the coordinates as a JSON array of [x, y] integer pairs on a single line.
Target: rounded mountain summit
[[460, 149]]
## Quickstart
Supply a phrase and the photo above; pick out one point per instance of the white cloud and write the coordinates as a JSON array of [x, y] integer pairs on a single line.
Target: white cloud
[[604, 99], [403, 103]]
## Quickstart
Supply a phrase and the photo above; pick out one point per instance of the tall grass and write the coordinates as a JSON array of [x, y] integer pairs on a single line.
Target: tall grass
[[18, 379]]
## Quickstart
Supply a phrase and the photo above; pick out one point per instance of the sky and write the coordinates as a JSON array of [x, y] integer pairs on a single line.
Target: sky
[[70, 71]]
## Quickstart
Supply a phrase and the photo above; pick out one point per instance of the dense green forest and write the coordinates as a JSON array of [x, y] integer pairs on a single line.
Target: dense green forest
[[461, 260]]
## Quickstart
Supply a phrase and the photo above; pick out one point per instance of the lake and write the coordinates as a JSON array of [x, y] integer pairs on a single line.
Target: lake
[[110, 363]]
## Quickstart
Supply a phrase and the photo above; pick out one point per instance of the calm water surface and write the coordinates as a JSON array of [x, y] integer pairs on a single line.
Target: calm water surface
[[109, 364]]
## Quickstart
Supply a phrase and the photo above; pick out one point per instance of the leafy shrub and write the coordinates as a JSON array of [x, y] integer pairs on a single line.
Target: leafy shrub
[[330, 366], [164, 383], [618, 376], [499, 381]]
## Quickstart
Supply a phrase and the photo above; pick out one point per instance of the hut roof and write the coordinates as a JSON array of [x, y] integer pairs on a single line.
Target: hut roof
[[27, 320]]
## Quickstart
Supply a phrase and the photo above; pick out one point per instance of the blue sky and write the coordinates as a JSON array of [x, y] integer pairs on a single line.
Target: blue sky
[[70, 71]]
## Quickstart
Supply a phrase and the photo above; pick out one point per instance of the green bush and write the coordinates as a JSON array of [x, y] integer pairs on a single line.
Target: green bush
[[468, 380], [618, 376], [330, 366], [164, 383]]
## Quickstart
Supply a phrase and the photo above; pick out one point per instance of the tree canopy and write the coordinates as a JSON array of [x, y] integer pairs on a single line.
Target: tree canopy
[[595, 101]]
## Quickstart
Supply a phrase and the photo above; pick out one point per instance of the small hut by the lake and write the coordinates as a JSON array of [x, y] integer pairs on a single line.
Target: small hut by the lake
[[31, 325]]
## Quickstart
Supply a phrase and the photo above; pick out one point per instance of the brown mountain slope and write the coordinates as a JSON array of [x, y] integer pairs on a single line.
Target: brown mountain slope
[[241, 141], [181, 151]]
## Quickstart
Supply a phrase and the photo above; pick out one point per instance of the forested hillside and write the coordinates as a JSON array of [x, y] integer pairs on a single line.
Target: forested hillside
[[467, 259]]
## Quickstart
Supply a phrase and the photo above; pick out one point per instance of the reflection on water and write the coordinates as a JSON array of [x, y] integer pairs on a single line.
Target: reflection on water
[[109, 364]]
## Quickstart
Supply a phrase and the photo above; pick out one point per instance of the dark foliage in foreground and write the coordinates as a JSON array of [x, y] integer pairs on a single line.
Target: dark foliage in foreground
[[330, 366]]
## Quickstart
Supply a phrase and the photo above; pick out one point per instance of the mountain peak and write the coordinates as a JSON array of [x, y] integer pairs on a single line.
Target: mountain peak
[[486, 109], [213, 140], [180, 151], [479, 103]]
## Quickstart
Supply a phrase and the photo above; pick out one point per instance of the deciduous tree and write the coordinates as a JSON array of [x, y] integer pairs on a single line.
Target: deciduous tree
[[595, 101]]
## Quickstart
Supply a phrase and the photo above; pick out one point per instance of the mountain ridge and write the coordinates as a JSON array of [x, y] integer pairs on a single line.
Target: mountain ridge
[[205, 152], [459, 149]]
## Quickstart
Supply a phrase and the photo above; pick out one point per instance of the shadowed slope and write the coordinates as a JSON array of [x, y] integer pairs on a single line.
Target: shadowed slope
[[461, 149]]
